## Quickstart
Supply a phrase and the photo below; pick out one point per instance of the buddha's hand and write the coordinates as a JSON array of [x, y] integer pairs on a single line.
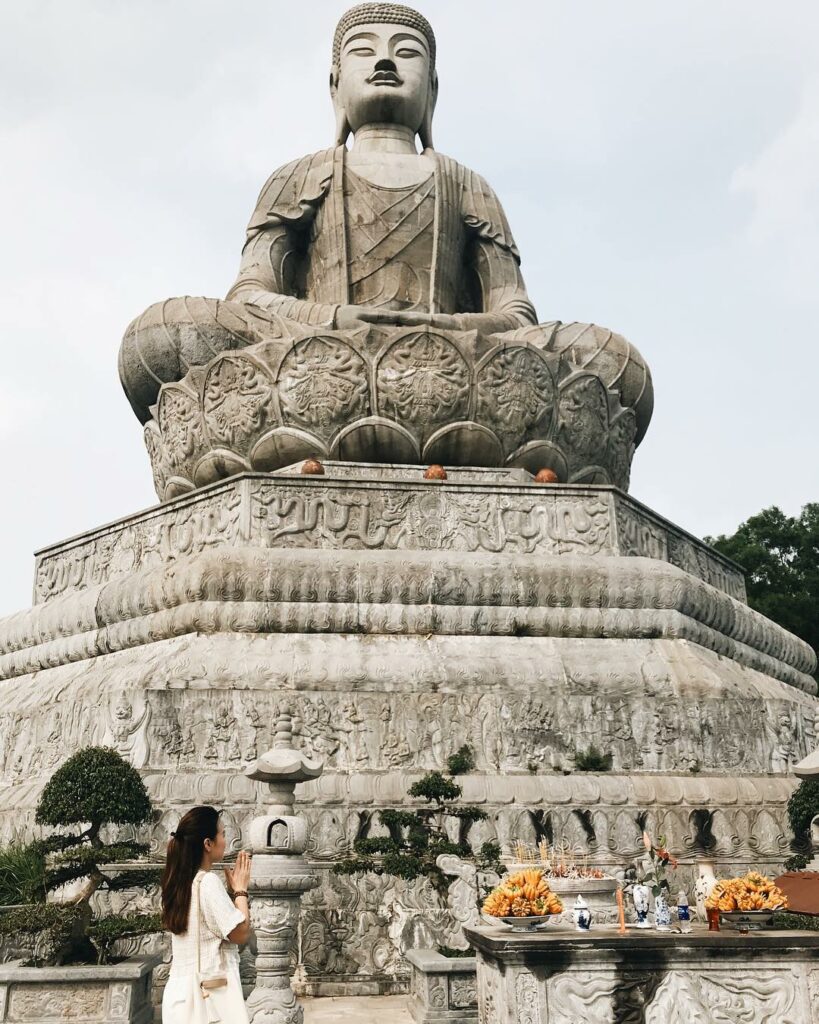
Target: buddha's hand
[[350, 317]]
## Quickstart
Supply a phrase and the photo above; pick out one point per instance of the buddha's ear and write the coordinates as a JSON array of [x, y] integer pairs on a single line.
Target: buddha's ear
[[425, 131], [342, 124]]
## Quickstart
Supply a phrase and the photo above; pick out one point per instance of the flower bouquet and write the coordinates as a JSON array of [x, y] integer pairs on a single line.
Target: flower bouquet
[[748, 902], [523, 900], [653, 879]]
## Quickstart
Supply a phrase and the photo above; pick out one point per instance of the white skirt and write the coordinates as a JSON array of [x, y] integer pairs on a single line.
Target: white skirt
[[182, 1002]]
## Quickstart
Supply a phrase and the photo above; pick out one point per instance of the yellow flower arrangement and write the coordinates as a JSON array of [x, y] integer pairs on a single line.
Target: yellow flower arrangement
[[752, 892], [523, 894]]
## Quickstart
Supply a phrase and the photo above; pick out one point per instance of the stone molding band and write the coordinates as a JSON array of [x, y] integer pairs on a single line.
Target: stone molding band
[[404, 592], [369, 508]]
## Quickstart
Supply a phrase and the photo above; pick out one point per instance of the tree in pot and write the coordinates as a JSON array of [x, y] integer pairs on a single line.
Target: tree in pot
[[416, 839], [95, 790]]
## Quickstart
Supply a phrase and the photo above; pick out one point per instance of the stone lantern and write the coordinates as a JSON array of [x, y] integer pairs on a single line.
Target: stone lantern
[[278, 840]]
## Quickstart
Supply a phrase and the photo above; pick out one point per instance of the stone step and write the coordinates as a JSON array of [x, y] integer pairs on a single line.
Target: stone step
[[356, 1010]]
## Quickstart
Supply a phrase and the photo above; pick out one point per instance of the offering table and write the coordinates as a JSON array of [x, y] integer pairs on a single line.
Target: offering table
[[560, 976]]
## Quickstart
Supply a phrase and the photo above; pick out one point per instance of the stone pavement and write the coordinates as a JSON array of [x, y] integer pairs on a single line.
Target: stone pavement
[[357, 1010]]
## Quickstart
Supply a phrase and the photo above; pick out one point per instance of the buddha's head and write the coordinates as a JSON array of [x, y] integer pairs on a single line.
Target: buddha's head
[[384, 70]]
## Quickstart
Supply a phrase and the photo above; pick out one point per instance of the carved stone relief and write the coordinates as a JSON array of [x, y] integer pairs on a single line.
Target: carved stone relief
[[516, 392], [322, 386], [352, 514], [676, 997], [351, 709], [463, 992], [153, 539], [70, 1002], [527, 999], [237, 401], [417, 392]]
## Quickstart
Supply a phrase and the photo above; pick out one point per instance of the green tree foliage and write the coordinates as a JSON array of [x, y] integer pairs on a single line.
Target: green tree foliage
[[22, 874], [96, 789], [593, 760], [417, 838], [780, 555], [803, 807], [461, 762]]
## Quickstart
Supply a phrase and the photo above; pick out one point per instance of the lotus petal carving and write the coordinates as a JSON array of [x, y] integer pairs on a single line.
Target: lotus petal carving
[[390, 395]]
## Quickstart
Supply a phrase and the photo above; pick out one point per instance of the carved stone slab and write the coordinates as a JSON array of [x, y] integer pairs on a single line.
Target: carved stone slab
[[35, 995], [488, 511], [443, 990], [392, 701], [388, 592], [555, 978]]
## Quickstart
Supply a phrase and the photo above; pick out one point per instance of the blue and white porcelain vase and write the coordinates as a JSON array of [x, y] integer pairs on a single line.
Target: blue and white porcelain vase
[[582, 915], [662, 913], [641, 894]]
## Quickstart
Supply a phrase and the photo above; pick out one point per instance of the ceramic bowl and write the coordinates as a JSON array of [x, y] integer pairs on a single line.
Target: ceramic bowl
[[529, 924]]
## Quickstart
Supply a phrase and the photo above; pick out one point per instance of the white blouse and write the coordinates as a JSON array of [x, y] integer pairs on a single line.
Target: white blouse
[[217, 918]]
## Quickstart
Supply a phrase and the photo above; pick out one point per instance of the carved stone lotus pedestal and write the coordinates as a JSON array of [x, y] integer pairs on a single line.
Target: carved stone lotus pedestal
[[280, 877], [543, 398]]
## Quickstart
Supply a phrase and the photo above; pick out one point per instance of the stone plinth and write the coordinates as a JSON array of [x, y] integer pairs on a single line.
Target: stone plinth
[[443, 990], [357, 507], [560, 977], [116, 994], [398, 619]]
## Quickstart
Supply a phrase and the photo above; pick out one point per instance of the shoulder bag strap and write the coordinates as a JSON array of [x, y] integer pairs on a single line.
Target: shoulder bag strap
[[196, 890], [197, 882]]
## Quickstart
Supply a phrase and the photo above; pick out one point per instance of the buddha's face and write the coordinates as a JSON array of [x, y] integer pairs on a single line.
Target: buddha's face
[[384, 76]]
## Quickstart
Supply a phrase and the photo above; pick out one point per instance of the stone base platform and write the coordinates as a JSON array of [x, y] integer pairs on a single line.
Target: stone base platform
[[398, 619], [560, 977]]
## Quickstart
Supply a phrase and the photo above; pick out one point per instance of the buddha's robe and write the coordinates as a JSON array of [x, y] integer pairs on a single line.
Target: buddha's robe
[[321, 237]]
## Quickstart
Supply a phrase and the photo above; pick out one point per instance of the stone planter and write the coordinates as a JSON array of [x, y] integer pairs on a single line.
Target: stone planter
[[114, 994], [442, 988]]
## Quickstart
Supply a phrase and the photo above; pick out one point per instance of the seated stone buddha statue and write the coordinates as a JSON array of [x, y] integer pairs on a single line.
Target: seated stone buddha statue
[[380, 314]]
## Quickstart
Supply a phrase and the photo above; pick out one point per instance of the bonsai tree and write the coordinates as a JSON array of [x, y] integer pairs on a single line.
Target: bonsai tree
[[417, 838], [93, 791], [803, 806]]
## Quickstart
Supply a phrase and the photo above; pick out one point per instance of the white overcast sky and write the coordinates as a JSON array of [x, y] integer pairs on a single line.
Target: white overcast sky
[[658, 161]]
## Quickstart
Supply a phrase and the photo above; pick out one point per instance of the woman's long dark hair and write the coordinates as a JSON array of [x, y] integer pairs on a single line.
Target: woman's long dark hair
[[185, 851]]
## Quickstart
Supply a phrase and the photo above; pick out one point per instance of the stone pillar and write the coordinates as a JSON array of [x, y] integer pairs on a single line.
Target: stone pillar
[[278, 840]]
